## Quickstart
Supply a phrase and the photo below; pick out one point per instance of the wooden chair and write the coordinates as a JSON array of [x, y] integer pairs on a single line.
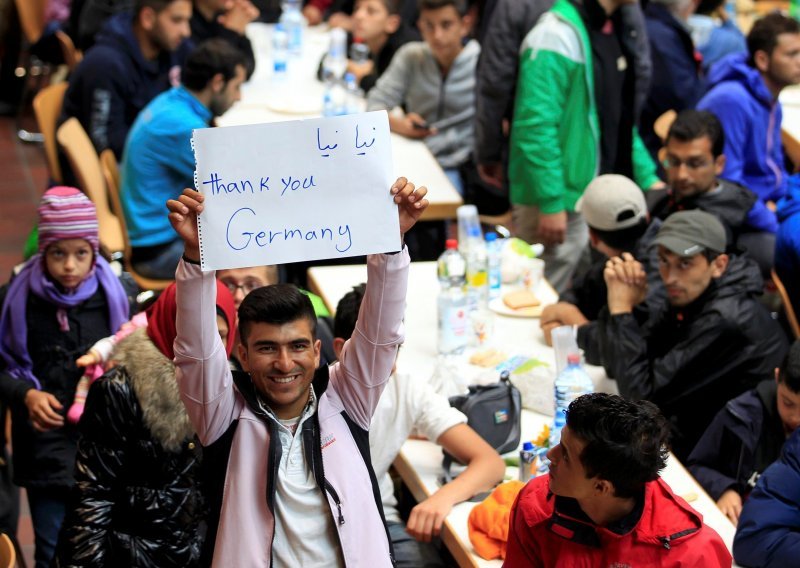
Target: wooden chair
[[47, 107], [791, 317], [31, 18], [72, 55], [32, 22], [791, 146], [663, 123], [8, 556], [108, 164], [86, 166]]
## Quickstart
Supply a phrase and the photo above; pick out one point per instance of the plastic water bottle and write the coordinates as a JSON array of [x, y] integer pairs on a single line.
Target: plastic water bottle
[[280, 53], [335, 63], [354, 101], [468, 221], [453, 324], [527, 457], [293, 22], [570, 383], [359, 52], [328, 108], [493, 252], [477, 270]]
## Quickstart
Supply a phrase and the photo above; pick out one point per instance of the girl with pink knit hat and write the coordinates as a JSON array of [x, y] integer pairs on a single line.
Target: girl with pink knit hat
[[63, 300]]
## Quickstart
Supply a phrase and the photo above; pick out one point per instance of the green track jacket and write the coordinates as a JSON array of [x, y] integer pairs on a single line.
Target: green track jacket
[[555, 134]]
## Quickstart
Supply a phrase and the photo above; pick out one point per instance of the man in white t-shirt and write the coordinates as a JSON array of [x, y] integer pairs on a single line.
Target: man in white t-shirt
[[410, 405]]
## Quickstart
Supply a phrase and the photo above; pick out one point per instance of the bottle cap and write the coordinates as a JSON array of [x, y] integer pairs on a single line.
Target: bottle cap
[[491, 237], [451, 244], [527, 447], [574, 358]]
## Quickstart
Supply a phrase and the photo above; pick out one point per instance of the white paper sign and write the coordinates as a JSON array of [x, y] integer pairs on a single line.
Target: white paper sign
[[293, 191]]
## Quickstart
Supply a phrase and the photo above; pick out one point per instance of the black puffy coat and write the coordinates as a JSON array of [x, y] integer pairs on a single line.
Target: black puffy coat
[[137, 499], [690, 361]]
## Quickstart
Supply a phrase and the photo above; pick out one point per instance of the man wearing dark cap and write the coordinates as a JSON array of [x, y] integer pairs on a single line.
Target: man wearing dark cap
[[615, 211], [712, 340]]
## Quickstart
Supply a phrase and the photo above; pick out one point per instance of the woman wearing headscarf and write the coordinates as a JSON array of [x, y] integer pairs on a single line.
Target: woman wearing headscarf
[[138, 500]]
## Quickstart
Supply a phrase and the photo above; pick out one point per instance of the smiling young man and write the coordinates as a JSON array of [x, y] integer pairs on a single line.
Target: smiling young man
[[711, 342], [603, 503], [299, 489], [693, 161]]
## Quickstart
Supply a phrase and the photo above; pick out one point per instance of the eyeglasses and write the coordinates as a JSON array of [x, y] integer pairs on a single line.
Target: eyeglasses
[[691, 163], [246, 287]]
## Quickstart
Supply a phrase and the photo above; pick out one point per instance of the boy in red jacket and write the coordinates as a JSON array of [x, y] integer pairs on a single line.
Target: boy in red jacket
[[603, 503]]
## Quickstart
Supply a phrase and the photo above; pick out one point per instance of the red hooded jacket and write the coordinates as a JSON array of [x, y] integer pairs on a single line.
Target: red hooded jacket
[[546, 530]]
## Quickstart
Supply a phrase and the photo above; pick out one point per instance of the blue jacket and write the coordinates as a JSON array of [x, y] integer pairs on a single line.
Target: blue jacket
[[768, 535], [114, 82], [751, 118], [787, 245], [714, 41], [158, 163], [745, 437]]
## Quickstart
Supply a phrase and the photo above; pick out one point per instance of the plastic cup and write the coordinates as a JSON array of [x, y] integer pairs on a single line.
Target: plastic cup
[[482, 327], [532, 273]]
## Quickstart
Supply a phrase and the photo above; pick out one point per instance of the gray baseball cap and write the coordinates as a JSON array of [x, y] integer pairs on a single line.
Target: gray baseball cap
[[612, 202], [687, 233]]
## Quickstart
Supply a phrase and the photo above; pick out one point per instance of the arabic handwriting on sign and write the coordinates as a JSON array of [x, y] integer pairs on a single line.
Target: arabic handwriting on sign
[[360, 145], [325, 147]]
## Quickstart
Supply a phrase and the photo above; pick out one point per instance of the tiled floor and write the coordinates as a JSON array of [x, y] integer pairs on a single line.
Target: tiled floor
[[23, 179]]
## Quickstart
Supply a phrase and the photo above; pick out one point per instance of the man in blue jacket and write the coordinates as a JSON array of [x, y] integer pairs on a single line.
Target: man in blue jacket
[[787, 245], [744, 95], [159, 158], [136, 57], [767, 535]]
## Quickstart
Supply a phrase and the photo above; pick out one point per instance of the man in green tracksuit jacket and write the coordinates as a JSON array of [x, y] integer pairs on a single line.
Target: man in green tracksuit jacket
[[574, 119]]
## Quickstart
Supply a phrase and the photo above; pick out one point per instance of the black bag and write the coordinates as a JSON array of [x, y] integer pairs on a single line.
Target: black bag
[[494, 412]]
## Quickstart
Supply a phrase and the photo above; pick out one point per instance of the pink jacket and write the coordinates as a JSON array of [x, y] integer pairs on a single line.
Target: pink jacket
[[246, 526]]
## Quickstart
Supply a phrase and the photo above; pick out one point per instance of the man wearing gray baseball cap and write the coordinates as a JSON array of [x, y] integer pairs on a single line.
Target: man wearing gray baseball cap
[[711, 342]]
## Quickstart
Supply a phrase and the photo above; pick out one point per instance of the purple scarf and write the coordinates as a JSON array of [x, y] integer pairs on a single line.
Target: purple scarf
[[32, 279]]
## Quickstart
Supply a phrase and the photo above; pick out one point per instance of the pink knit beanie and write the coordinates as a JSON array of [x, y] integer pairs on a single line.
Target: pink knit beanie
[[66, 213]]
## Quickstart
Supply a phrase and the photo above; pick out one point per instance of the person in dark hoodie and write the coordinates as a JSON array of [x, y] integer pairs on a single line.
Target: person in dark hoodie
[[136, 57], [710, 343], [747, 436], [743, 93], [603, 502], [678, 81], [767, 535], [787, 245], [693, 161]]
